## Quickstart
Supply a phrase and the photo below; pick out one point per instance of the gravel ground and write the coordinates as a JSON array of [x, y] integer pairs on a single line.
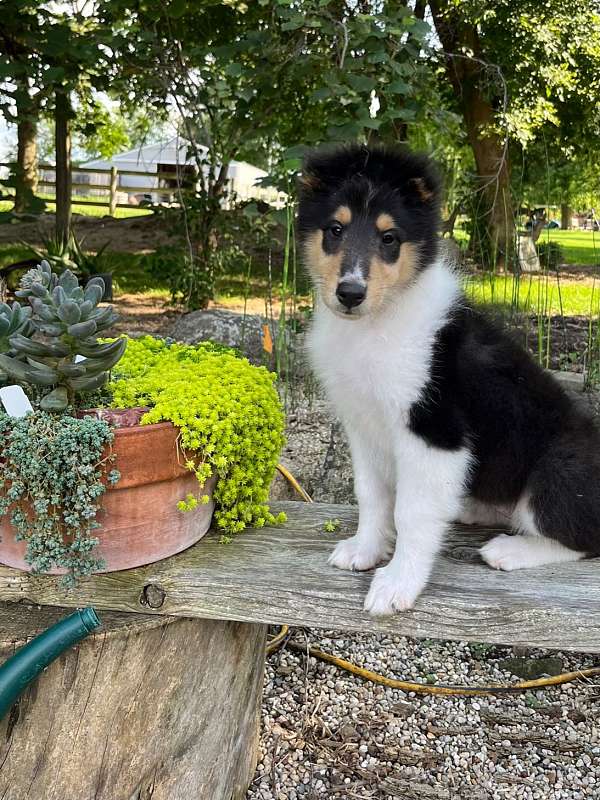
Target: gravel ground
[[326, 733]]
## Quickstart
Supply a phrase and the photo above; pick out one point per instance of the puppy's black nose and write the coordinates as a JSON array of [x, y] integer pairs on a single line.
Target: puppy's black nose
[[351, 294]]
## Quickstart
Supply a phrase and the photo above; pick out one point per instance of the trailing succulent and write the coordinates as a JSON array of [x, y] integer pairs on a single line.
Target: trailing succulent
[[58, 348], [51, 488]]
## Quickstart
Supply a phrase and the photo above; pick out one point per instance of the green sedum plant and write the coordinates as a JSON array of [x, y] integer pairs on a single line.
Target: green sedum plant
[[64, 325], [229, 415]]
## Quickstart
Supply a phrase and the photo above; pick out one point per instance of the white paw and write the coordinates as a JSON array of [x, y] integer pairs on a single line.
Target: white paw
[[358, 553], [504, 552], [389, 592]]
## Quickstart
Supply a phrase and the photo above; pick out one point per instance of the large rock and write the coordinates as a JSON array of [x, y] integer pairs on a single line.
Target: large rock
[[244, 332]]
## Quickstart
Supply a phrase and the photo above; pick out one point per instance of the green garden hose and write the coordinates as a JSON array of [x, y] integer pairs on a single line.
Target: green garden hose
[[27, 663]]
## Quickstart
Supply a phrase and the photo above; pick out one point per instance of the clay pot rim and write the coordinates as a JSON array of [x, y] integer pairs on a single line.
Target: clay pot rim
[[131, 430]]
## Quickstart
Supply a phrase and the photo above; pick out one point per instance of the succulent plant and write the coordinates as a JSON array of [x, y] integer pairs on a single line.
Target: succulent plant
[[60, 348], [13, 319]]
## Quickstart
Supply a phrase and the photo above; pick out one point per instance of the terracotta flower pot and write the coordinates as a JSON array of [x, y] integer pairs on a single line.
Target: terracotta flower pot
[[139, 516]]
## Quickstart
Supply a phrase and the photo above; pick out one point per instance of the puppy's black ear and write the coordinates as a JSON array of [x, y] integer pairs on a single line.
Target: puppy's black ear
[[425, 193], [326, 168], [309, 182], [423, 187]]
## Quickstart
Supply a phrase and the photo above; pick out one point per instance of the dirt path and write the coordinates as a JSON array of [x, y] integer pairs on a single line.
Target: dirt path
[[131, 235]]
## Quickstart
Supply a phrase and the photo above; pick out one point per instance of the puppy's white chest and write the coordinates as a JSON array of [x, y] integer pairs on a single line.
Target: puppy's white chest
[[375, 368]]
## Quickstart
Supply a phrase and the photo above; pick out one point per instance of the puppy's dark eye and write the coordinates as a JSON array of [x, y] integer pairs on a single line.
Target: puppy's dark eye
[[336, 229], [388, 237]]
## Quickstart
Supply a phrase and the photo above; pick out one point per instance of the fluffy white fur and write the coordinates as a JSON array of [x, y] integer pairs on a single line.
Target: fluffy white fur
[[373, 369], [531, 549]]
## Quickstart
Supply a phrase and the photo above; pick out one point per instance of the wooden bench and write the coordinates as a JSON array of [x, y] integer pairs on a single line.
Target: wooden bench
[[164, 702]]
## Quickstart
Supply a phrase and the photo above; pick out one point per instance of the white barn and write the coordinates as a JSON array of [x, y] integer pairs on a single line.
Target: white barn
[[155, 168]]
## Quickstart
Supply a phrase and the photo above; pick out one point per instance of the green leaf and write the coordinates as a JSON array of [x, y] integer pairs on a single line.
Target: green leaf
[[68, 282], [176, 8], [88, 384], [362, 83], [82, 329], [69, 312], [234, 70], [321, 94], [56, 400], [398, 87]]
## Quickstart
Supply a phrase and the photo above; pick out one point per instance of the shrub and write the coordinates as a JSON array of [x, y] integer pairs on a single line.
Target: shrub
[[551, 255]]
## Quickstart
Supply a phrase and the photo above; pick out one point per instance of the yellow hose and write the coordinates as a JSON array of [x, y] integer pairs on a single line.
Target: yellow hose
[[294, 483], [409, 686]]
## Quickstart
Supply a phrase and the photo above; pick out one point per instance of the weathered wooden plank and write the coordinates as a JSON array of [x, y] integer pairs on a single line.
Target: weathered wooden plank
[[281, 576]]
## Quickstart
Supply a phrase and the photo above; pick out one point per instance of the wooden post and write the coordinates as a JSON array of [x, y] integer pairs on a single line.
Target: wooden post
[[63, 165], [148, 707], [113, 191]]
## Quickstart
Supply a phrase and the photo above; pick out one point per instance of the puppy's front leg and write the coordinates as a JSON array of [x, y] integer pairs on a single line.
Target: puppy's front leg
[[374, 489], [429, 496]]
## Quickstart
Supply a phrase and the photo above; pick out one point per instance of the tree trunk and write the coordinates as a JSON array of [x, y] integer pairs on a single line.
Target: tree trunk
[[63, 116], [26, 170], [494, 234], [150, 706], [566, 214]]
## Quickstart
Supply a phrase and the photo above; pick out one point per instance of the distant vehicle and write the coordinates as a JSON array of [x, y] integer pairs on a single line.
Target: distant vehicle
[[143, 200], [550, 225]]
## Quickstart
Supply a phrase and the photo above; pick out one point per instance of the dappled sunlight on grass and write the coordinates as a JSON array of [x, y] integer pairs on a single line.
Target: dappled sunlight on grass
[[538, 294], [88, 210]]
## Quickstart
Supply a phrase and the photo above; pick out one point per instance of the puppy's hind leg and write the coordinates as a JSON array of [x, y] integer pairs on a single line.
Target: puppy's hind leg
[[474, 512], [529, 548], [374, 539]]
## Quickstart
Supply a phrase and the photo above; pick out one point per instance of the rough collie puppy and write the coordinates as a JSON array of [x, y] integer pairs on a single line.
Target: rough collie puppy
[[448, 419]]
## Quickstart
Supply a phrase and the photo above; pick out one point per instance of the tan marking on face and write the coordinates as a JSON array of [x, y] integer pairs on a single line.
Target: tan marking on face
[[384, 222], [343, 215], [386, 279], [324, 268], [424, 193]]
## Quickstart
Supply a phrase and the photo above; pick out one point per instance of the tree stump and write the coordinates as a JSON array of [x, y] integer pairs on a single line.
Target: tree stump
[[148, 707]]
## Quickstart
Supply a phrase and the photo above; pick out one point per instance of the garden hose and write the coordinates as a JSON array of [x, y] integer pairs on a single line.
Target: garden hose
[[294, 483], [283, 635], [31, 659]]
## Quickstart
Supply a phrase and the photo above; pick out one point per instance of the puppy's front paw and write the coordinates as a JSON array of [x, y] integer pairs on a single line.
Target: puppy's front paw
[[389, 592], [503, 552], [357, 553]]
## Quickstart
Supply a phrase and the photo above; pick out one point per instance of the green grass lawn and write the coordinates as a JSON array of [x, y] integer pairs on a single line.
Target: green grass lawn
[[545, 295], [579, 247], [90, 211]]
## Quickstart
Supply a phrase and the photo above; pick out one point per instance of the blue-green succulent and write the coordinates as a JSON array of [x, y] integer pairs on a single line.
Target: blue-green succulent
[[57, 347]]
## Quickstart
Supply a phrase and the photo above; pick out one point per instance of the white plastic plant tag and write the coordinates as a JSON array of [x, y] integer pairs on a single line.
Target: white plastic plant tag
[[78, 358], [15, 401]]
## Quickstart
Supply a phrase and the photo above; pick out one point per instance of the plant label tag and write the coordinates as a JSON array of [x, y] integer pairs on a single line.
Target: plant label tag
[[15, 401], [78, 358]]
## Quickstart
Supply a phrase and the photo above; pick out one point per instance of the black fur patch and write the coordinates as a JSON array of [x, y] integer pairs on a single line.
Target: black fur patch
[[371, 181], [485, 392]]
